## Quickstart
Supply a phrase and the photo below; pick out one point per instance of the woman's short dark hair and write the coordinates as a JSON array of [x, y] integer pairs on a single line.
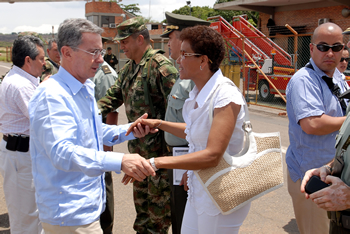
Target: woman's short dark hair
[[206, 41], [25, 46]]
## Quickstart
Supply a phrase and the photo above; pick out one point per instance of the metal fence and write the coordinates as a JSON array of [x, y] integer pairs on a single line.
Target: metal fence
[[5, 54], [262, 66]]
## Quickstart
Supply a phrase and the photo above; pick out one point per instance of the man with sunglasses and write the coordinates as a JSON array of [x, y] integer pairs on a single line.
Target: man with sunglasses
[[342, 66], [67, 137], [143, 86], [315, 116]]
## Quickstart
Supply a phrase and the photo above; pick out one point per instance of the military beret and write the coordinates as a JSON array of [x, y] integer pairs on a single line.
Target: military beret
[[129, 27], [179, 22], [347, 31]]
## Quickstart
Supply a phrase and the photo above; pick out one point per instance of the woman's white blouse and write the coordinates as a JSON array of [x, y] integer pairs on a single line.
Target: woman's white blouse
[[198, 127]]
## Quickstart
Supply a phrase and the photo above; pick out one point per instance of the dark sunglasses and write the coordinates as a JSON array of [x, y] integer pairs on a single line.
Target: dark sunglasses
[[346, 59], [325, 48]]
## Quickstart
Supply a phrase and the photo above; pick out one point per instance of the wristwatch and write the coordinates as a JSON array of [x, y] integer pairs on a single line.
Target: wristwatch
[[151, 161]]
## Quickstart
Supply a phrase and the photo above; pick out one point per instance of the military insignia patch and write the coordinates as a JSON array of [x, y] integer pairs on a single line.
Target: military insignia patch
[[106, 69]]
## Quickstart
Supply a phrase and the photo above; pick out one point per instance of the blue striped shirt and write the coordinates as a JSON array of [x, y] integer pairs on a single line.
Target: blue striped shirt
[[66, 146], [308, 95]]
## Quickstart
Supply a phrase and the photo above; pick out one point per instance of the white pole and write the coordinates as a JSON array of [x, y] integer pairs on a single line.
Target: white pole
[[149, 11]]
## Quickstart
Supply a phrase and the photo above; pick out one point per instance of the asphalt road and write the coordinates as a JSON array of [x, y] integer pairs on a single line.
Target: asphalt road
[[4, 67], [272, 213]]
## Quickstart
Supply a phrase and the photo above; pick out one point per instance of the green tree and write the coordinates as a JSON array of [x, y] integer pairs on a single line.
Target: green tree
[[206, 11], [253, 16], [131, 8]]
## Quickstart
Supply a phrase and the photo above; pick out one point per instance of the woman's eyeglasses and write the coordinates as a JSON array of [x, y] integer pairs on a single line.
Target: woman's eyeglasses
[[344, 59], [183, 55], [325, 47]]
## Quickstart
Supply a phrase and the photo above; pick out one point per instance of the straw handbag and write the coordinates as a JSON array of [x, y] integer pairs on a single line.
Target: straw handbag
[[241, 178]]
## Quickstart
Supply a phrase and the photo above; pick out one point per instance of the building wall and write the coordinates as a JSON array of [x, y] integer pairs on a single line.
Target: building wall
[[308, 17], [106, 8]]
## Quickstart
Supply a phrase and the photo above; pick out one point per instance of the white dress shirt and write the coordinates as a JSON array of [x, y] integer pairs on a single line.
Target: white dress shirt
[[15, 92]]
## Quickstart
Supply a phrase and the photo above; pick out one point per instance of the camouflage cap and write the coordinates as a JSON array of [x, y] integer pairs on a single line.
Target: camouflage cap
[[129, 27], [347, 31], [30, 33], [179, 22]]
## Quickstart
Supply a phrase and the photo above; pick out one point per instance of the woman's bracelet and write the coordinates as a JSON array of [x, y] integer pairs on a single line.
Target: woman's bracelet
[[153, 165], [161, 121]]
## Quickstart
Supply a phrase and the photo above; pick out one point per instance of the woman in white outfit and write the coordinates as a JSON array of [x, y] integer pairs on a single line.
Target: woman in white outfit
[[202, 51]]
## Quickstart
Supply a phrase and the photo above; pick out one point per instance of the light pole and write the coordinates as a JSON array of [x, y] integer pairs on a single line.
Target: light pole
[[189, 4]]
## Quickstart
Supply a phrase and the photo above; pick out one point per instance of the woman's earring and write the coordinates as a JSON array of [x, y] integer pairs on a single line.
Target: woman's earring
[[200, 67]]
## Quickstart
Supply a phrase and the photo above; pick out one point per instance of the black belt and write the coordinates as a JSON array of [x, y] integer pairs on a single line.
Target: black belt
[[16, 142], [341, 218]]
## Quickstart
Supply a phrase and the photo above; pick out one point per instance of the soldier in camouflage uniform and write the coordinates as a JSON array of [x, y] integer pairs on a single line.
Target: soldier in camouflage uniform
[[52, 62], [143, 86]]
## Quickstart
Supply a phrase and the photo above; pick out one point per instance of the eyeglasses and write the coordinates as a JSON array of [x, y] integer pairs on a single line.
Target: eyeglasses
[[325, 48], [344, 59], [95, 54], [184, 55]]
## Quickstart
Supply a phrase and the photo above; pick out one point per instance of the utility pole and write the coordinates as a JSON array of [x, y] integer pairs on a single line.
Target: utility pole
[[189, 4]]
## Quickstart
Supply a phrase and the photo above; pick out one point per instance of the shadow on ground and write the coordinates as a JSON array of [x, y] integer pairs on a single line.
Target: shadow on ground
[[4, 221], [291, 227]]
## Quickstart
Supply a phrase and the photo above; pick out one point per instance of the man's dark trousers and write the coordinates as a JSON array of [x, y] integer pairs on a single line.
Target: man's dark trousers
[[178, 201]]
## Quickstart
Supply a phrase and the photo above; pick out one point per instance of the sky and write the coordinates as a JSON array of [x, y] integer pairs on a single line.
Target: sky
[[40, 17]]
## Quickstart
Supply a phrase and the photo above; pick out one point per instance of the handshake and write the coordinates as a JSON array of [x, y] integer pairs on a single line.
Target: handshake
[[134, 166]]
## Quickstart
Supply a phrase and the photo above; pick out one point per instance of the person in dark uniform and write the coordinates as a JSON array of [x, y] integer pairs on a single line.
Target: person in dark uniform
[[179, 93], [110, 58]]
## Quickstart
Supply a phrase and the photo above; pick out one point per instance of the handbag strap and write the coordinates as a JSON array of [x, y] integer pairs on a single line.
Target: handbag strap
[[247, 126]]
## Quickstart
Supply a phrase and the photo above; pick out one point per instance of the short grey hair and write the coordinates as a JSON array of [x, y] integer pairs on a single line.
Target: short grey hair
[[49, 44], [71, 30]]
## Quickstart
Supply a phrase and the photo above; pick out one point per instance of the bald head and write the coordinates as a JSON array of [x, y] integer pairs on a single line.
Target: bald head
[[326, 47], [326, 28]]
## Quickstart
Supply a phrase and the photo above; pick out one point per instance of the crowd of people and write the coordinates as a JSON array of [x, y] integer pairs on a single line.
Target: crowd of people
[[56, 155]]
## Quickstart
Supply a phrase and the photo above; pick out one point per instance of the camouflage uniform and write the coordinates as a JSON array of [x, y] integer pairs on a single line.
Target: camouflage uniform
[[143, 88], [50, 68]]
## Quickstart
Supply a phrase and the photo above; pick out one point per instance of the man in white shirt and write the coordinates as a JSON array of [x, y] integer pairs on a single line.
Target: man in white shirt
[[15, 161]]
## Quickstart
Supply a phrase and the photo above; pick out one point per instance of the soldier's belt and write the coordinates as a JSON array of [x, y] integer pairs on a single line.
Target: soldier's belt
[[341, 218]]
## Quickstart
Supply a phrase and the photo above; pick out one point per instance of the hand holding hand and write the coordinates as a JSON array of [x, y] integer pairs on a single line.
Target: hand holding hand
[[136, 166], [334, 198], [152, 123], [127, 179], [139, 129]]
